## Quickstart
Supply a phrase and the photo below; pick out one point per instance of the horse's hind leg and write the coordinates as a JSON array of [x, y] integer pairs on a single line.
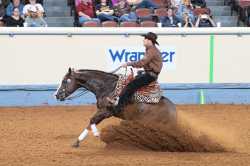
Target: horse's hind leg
[[96, 119]]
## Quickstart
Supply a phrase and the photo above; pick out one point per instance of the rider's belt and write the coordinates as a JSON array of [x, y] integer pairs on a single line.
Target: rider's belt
[[152, 73]]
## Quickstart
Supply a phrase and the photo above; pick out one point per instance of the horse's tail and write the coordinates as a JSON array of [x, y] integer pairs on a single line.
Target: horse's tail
[[170, 107]]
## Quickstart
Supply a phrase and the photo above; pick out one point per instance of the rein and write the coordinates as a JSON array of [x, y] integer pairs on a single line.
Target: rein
[[118, 68], [84, 91]]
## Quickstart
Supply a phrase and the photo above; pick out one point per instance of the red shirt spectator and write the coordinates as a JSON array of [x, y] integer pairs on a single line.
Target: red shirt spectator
[[86, 7]]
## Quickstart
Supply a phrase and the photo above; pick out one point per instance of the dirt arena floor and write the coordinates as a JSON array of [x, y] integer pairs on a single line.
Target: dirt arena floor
[[40, 136]]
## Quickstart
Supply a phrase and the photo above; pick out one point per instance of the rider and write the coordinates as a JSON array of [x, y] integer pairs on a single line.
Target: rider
[[152, 64]]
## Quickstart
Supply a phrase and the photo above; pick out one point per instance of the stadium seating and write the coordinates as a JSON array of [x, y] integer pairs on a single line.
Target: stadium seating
[[143, 12], [128, 24], [62, 13], [198, 11], [148, 24], [161, 12], [90, 24], [109, 24]]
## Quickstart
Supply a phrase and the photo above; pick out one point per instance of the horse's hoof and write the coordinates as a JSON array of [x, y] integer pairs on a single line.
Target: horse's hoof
[[96, 134], [76, 144]]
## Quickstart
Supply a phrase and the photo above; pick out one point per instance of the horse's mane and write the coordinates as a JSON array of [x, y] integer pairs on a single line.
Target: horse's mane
[[99, 72]]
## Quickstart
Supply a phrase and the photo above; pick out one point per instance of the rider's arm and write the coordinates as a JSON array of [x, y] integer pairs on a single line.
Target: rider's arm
[[144, 61]]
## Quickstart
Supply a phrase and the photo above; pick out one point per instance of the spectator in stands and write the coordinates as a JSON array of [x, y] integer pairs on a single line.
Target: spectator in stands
[[114, 2], [2, 13], [170, 20], [186, 21], [175, 3], [199, 3], [143, 4], [15, 20], [166, 4], [204, 20], [34, 19], [76, 2], [123, 11], [86, 12], [5, 3], [38, 1], [12, 5], [39, 7], [185, 7], [104, 11]]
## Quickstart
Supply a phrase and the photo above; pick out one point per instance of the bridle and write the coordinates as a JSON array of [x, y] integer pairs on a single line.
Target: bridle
[[65, 92]]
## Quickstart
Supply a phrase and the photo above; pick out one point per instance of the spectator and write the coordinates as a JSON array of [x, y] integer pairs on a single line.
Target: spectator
[[170, 20], [34, 20], [199, 3], [86, 12], [12, 5], [114, 2], [123, 11], [204, 20], [77, 2], [2, 13], [5, 3], [166, 4], [15, 20], [176, 3], [38, 1], [40, 9], [104, 11], [143, 4], [185, 7], [186, 21]]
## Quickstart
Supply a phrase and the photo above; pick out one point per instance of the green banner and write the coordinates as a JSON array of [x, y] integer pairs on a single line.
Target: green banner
[[211, 64]]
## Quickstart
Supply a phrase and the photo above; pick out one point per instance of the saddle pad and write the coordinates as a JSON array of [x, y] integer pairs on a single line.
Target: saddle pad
[[147, 94]]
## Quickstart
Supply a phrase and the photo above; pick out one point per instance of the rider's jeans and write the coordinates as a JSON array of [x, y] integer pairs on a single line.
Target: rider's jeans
[[140, 81]]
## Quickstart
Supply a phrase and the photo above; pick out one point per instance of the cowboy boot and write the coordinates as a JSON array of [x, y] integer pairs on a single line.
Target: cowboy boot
[[115, 109]]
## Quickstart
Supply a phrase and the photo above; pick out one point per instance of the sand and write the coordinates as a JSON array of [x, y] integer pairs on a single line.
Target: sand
[[211, 135]]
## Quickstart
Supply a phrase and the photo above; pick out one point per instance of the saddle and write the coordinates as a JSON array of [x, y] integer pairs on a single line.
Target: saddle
[[148, 94]]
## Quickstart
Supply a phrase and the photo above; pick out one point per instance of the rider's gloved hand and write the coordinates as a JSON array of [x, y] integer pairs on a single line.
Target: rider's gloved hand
[[124, 65]]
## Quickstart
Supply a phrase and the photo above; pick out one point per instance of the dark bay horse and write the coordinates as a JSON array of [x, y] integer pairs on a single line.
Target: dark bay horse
[[102, 84]]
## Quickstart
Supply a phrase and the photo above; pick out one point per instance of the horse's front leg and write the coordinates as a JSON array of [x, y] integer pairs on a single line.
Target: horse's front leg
[[96, 119]]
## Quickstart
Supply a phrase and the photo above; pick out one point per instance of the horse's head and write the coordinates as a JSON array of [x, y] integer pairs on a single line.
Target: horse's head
[[67, 86]]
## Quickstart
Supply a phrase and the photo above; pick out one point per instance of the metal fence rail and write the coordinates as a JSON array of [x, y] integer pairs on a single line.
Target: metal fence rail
[[239, 31]]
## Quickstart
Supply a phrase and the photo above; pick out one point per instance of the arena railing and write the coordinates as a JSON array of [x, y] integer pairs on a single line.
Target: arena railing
[[124, 31]]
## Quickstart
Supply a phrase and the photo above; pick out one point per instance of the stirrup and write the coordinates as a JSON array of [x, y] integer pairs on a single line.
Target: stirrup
[[113, 101]]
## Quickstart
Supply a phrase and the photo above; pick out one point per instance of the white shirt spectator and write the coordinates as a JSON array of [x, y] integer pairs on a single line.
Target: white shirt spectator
[[176, 3], [29, 6]]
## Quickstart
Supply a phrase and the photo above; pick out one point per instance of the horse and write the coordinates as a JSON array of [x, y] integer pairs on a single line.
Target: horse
[[102, 84]]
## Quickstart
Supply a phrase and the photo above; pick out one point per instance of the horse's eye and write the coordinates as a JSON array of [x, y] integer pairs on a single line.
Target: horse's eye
[[68, 80]]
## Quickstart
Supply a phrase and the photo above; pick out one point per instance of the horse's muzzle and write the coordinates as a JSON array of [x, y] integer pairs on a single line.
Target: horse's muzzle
[[59, 97]]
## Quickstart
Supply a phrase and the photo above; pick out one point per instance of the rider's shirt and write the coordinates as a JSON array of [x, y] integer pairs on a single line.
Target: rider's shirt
[[152, 61]]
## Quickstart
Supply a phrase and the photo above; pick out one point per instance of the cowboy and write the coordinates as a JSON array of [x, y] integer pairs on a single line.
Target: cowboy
[[152, 64]]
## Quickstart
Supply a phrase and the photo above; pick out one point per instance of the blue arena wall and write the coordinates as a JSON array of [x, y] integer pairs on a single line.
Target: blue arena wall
[[42, 95]]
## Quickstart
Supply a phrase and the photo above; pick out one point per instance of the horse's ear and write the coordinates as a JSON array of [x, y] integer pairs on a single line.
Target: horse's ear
[[70, 70]]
